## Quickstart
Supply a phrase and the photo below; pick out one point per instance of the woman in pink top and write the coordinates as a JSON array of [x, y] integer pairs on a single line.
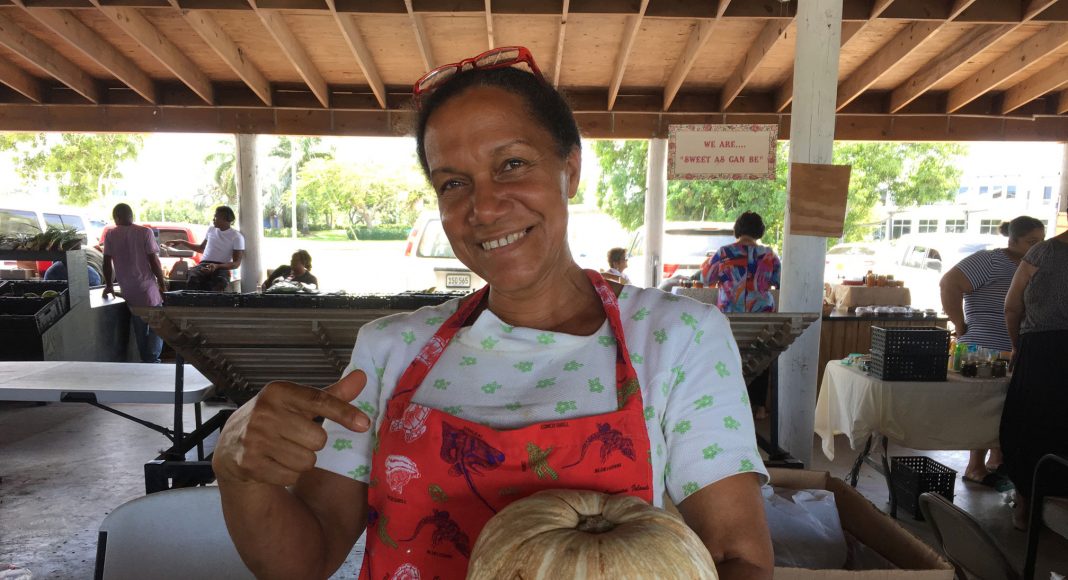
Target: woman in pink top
[[131, 255]]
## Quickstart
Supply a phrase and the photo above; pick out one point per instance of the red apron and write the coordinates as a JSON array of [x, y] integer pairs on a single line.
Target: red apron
[[436, 479]]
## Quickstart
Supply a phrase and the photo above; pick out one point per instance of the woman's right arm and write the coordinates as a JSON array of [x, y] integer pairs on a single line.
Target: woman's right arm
[[287, 518], [1014, 300], [953, 287]]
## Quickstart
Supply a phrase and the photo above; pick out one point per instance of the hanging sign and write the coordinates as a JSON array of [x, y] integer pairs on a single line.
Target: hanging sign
[[722, 151]]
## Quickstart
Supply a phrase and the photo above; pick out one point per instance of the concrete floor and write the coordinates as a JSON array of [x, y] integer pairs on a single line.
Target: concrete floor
[[64, 467]]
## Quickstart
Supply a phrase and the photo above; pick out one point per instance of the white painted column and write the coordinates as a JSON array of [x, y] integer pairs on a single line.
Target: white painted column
[[655, 210], [1063, 206], [819, 29], [250, 212]]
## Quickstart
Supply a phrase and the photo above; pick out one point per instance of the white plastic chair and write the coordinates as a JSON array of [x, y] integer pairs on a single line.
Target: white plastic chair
[[174, 534]]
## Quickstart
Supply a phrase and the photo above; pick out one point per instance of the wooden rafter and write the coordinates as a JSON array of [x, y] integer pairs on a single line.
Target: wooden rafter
[[1011, 64], [634, 24], [559, 59], [205, 25], [36, 51], [353, 37], [133, 23], [773, 33], [274, 23], [699, 37], [421, 38], [1035, 7], [965, 49], [492, 42], [904, 43], [785, 93], [1062, 104], [1044, 81], [80, 36], [20, 80]]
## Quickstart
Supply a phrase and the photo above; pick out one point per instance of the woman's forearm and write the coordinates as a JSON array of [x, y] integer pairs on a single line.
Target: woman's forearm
[[275, 532], [1013, 319]]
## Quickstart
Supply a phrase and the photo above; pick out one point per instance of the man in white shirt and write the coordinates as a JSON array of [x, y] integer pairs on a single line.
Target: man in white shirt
[[223, 248]]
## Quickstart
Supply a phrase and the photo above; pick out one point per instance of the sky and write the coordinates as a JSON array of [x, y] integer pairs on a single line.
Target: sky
[[171, 165]]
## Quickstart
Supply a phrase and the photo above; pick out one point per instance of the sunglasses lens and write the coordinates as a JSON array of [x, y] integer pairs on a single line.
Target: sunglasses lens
[[497, 57], [435, 78]]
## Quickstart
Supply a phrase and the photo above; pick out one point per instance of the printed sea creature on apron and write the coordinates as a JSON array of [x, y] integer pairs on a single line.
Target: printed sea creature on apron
[[468, 455], [445, 530], [611, 440], [399, 471], [413, 423]]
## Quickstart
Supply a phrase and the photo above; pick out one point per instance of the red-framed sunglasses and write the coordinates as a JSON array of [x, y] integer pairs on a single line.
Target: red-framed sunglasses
[[502, 57]]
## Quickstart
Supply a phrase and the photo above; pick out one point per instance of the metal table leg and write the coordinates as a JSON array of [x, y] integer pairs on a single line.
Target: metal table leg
[[854, 474]]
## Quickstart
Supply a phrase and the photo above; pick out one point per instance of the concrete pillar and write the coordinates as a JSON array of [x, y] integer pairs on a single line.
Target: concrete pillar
[[655, 209], [819, 28], [250, 212]]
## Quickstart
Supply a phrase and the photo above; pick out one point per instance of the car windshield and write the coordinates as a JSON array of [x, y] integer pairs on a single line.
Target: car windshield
[[165, 235], [434, 243], [13, 221], [694, 242]]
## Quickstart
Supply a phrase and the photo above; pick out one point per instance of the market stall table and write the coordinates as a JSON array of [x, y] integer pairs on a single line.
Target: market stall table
[[103, 383], [959, 413]]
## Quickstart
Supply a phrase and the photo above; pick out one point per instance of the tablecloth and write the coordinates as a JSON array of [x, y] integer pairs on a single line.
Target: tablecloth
[[852, 296], [960, 413]]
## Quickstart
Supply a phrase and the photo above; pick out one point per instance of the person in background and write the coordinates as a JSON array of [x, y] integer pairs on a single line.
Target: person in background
[[973, 297], [1036, 316], [132, 256], [617, 262], [223, 248], [745, 273], [298, 270], [58, 271]]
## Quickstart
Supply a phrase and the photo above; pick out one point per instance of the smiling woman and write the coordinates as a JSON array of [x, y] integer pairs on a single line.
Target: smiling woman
[[549, 377]]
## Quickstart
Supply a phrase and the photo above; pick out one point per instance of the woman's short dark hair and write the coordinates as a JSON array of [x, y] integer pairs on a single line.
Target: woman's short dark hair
[[1020, 227], [303, 257], [616, 255], [544, 105], [226, 212], [749, 224]]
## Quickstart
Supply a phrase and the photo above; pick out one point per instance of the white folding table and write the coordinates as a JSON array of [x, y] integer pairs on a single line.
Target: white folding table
[[105, 383]]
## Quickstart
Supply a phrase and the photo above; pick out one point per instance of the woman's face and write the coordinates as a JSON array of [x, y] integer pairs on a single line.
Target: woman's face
[[297, 266], [1023, 243], [502, 188]]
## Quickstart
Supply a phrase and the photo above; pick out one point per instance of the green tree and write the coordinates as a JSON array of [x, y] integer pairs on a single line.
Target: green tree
[[366, 195], [900, 173], [280, 200], [223, 187], [181, 210], [84, 166]]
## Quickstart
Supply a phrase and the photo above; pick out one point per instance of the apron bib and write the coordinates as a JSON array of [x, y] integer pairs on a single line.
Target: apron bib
[[436, 479]]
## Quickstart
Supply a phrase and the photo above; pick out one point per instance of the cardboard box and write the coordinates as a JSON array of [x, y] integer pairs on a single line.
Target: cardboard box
[[869, 525]]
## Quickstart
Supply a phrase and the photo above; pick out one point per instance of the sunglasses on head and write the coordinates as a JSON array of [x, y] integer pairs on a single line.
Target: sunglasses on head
[[503, 57]]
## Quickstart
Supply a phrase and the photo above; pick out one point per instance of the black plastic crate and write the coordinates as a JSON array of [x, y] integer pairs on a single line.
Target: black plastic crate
[[29, 317], [197, 298], [913, 476], [909, 354]]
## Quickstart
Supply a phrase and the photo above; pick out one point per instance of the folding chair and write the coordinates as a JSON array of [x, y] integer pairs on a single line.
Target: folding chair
[[174, 534], [1046, 512], [971, 550]]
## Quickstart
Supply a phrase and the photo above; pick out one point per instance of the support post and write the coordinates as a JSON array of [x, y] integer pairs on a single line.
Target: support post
[[819, 26], [655, 210], [1062, 205], [250, 214]]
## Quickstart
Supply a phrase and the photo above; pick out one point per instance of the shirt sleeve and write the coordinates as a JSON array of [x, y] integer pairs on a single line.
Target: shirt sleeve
[[347, 452], [1037, 254], [150, 242], [708, 424], [239, 241], [776, 270], [976, 268]]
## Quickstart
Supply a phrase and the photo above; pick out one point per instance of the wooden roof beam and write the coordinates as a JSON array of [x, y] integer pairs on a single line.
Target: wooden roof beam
[[205, 25], [347, 23], [1062, 105], [1044, 81], [1011, 64], [1035, 7], [492, 43], [420, 36], [773, 33], [904, 43], [634, 24], [785, 94], [298, 57], [133, 23], [21, 81], [40, 54], [80, 36], [559, 59], [699, 37]]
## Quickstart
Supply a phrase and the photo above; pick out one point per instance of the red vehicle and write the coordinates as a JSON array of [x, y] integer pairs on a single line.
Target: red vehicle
[[166, 232]]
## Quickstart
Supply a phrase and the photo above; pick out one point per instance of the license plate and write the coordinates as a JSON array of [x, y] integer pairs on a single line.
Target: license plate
[[457, 280]]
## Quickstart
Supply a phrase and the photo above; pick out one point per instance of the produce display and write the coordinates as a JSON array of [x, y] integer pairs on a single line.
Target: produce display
[[52, 239], [556, 534]]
